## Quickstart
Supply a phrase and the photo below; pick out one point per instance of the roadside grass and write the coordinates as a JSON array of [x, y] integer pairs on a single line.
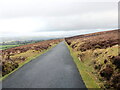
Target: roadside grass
[[88, 78], [31, 57], [87, 61]]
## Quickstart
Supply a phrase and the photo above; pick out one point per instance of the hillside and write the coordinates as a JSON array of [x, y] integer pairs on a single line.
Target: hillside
[[16, 57], [96, 56]]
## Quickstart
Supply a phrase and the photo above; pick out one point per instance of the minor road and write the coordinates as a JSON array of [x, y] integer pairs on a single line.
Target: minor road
[[54, 69]]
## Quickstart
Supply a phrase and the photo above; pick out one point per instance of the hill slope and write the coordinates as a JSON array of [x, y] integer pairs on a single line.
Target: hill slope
[[97, 57], [14, 58]]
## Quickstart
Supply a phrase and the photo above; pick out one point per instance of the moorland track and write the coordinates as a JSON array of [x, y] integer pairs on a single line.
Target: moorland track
[[54, 69]]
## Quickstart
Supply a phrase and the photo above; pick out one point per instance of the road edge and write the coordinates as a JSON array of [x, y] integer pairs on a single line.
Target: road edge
[[75, 59], [27, 61]]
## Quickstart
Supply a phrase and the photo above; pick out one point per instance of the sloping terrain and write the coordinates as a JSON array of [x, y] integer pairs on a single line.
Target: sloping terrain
[[14, 57], [98, 58], [53, 69]]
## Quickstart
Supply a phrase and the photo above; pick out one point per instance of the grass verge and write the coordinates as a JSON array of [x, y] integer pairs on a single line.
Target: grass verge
[[26, 61], [88, 79]]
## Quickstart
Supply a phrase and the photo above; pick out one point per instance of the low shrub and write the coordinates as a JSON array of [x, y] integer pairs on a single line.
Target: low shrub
[[107, 72], [116, 61], [7, 67]]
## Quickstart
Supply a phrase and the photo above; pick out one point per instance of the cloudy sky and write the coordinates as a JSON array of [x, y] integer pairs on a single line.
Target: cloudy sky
[[56, 18]]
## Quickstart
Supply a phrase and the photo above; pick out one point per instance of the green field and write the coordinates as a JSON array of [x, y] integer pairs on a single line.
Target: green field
[[3, 47]]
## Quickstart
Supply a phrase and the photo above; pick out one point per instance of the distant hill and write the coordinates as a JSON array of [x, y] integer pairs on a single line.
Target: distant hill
[[94, 34]]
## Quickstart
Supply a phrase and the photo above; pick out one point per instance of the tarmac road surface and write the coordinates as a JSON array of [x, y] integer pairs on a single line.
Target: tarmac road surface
[[54, 69]]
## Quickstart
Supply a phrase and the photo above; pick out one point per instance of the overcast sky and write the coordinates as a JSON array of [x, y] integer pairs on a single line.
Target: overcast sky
[[56, 18]]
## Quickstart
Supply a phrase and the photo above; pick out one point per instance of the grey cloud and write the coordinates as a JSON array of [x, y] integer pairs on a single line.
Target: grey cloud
[[62, 16], [53, 8]]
